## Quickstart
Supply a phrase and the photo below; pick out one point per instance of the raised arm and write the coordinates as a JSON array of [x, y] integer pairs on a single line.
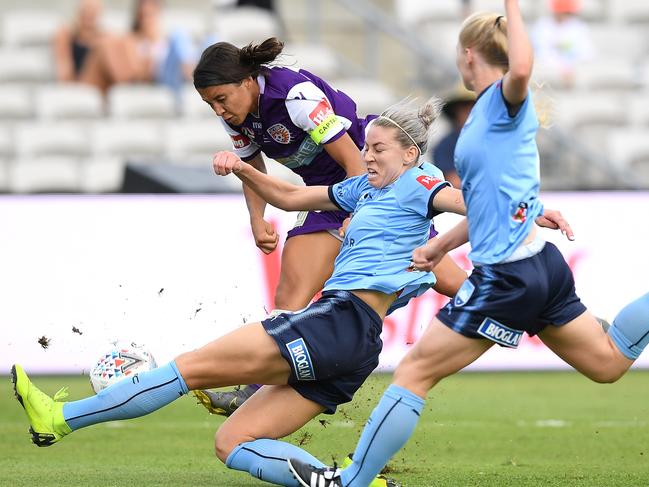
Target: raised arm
[[275, 191], [521, 57]]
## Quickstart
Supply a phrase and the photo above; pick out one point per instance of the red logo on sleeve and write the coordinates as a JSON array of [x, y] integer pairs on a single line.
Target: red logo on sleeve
[[428, 182], [321, 112], [240, 141]]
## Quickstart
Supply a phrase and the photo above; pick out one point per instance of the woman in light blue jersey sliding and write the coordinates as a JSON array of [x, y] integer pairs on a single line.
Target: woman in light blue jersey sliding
[[312, 360], [520, 283]]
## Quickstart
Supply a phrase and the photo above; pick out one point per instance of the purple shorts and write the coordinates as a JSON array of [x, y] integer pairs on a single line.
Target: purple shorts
[[317, 221]]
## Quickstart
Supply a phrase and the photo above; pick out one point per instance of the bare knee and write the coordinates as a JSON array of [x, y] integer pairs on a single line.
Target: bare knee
[[227, 439], [606, 375]]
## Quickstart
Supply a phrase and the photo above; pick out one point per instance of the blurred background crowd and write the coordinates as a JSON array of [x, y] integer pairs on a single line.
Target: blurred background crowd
[[96, 95]]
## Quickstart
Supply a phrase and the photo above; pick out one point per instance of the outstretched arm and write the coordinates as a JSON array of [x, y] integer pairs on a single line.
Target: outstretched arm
[[278, 193]]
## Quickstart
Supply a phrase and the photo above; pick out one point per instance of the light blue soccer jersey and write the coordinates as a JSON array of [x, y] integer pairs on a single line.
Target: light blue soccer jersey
[[388, 224], [498, 161]]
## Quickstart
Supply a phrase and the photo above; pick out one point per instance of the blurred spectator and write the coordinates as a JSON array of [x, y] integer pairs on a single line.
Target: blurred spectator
[[457, 108], [72, 42], [562, 41], [467, 8], [145, 54], [265, 4]]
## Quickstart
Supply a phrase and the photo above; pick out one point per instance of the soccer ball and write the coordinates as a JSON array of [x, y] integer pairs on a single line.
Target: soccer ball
[[122, 360]]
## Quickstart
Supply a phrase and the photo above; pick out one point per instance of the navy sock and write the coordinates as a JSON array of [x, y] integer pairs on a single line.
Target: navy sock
[[387, 430], [129, 398], [266, 460]]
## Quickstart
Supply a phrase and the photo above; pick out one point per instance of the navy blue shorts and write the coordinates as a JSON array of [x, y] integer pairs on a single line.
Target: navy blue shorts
[[331, 346], [501, 301]]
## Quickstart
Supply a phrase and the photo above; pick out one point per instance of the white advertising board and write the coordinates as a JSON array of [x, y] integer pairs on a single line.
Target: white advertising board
[[173, 272]]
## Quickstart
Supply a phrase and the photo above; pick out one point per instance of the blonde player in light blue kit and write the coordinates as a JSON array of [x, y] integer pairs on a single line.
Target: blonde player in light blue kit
[[520, 282]]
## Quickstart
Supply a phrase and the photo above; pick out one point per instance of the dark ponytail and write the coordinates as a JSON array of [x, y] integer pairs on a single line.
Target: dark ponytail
[[224, 63]]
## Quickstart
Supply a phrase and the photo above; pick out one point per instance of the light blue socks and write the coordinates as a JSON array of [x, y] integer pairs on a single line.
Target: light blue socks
[[388, 429], [630, 328], [129, 398], [266, 460]]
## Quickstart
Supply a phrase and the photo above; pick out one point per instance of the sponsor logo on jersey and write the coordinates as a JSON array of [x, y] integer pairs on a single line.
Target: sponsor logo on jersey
[[499, 333], [464, 293], [304, 155], [240, 141], [248, 132], [301, 360], [324, 119], [279, 133], [521, 213], [321, 112], [428, 182]]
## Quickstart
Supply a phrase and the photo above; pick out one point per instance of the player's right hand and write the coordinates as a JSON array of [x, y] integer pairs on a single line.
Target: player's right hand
[[266, 238], [225, 162]]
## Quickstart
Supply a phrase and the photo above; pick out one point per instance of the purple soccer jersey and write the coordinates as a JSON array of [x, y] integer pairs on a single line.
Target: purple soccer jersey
[[298, 114]]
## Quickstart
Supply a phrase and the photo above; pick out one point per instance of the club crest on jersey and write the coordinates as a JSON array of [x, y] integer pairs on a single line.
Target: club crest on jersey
[[240, 141], [463, 294], [521, 213], [499, 333], [301, 360], [279, 133], [428, 182]]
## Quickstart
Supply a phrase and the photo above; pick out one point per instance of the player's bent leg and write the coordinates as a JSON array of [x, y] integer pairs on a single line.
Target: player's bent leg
[[307, 262], [439, 353], [449, 277], [583, 344], [248, 440], [603, 356]]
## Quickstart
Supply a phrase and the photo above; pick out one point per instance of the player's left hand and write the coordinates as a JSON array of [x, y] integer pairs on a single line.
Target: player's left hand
[[225, 162], [554, 219], [426, 257], [343, 229]]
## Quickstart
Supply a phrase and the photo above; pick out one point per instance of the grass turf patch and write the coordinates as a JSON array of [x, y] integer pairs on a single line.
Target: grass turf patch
[[478, 429]]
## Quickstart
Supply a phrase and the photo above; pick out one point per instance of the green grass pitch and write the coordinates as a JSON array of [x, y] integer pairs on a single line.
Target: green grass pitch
[[478, 429]]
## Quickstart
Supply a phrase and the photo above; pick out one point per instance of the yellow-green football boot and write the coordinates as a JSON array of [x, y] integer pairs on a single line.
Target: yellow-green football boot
[[380, 481], [45, 415]]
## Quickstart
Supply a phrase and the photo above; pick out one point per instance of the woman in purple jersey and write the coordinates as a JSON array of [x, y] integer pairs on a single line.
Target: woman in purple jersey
[[299, 120]]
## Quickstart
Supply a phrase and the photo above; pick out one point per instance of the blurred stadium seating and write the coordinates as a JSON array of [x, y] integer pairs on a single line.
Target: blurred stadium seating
[[56, 137]]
